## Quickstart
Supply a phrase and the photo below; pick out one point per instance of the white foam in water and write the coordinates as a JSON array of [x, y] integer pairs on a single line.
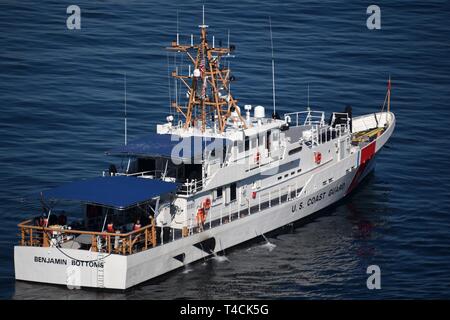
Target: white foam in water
[[220, 258], [269, 245], [187, 269]]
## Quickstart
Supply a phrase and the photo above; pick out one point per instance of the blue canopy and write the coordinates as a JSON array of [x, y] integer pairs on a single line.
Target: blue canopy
[[117, 191], [170, 146]]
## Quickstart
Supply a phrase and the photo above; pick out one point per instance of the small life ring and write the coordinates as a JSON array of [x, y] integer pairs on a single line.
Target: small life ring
[[317, 157], [207, 203], [257, 157]]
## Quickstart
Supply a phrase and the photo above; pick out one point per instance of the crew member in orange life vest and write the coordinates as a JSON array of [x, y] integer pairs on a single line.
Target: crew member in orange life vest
[[137, 225], [110, 227]]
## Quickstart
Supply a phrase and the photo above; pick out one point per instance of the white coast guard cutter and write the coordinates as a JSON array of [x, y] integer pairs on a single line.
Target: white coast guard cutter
[[208, 179]]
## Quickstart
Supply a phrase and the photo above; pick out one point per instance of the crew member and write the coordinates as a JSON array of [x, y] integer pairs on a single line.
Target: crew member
[[110, 227], [137, 225]]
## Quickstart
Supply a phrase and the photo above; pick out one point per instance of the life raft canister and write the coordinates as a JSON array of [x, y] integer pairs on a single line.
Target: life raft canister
[[317, 157]]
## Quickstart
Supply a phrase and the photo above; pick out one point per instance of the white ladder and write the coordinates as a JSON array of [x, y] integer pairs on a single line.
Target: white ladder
[[100, 270]]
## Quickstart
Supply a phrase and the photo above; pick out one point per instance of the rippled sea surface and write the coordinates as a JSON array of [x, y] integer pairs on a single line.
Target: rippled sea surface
[[61, 108]]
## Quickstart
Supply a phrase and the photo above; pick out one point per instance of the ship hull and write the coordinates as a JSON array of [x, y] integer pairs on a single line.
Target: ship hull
[[80, 268]]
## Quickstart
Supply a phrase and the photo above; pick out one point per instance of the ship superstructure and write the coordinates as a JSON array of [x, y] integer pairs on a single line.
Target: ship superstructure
[[216, 174]]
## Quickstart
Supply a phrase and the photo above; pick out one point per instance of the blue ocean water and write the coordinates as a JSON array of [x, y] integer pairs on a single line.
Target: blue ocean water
[[61, 100]]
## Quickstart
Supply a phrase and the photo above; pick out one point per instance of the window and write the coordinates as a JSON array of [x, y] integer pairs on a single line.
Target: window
[[232, 191], [219, 193], [295, 150], [247, 144]]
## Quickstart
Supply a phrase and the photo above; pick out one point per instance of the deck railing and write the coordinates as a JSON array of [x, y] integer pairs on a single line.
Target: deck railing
[[119, 243], [310, 117]]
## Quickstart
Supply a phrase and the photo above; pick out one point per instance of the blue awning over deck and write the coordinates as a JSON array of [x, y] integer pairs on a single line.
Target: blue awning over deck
[[170, 146], [118, 191]]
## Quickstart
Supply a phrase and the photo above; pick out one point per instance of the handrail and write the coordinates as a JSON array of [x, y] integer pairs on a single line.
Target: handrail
[[124, 243], [157, 174], [95, 233], [312, 117]]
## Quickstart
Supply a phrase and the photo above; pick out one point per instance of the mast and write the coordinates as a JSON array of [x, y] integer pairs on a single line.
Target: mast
[[205, 103], [273, 68]]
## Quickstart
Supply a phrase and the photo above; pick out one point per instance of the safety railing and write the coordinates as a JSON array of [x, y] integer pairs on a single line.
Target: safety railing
[[58, 236], [190, 187], [153, 174], [262, 201], [309, 117]]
